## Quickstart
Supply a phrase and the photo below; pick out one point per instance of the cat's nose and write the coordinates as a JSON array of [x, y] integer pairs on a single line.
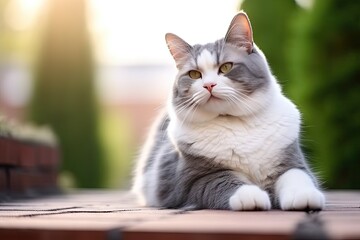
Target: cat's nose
[[209, 86]]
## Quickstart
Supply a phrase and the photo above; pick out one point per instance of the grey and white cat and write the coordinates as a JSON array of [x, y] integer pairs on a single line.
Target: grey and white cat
[[229, 138]]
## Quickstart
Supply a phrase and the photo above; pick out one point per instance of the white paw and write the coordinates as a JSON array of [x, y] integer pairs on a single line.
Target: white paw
[[249, 197], [300, 199]]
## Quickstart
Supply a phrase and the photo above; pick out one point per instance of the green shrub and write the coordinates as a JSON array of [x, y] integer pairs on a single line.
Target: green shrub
[[325, 59], [64, 93]]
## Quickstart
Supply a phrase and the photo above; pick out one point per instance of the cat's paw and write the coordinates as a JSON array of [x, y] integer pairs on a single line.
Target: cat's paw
[[249, 197], [300, 199]]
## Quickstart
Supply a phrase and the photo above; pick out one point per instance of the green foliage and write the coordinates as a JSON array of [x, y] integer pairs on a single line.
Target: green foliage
[[16, 45], [4, 30], [271, 21], [64, 93], [119, 147], [325, 59]]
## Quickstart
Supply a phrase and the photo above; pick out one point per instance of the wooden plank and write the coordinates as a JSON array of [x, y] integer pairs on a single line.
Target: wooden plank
[[58, 234], [220, 225], [36, 228], [341, 216], [114, 214]]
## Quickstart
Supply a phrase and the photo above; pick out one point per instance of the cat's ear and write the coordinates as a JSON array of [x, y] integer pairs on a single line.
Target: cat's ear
[[179, 49], [240, 32]]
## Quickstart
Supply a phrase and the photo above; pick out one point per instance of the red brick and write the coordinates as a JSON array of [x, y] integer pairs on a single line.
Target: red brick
[[52, 178], [55, 157], [22, 180], [14, 150], [46, 179], [43, 156], [8, 151], [3, 150], [28, 154], [3, 180], [48, 157]]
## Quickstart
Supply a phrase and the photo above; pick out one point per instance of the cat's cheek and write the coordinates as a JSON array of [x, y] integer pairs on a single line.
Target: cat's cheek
[[249, 197]]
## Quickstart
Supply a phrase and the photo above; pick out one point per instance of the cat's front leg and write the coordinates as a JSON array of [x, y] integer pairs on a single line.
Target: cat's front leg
[[296, 191], [249, 197]]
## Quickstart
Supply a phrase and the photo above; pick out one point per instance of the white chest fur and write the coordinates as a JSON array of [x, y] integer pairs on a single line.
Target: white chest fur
[[250, 146]]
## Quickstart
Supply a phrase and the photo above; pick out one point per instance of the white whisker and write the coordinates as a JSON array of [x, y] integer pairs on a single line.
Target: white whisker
[[188, 108]]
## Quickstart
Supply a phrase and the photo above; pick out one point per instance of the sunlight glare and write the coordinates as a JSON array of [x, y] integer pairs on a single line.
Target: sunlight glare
[[21, 14], [128, 32]]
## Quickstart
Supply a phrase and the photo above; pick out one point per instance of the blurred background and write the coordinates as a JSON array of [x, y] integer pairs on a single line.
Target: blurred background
[[98, 72]]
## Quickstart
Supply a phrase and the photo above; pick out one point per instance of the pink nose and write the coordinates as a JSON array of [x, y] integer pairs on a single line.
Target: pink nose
[[209, 86]]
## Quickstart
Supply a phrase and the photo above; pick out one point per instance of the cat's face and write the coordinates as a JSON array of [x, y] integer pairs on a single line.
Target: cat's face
[[228, 77]]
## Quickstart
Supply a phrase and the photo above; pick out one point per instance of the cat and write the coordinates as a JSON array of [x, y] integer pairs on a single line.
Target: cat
[[228, 138]]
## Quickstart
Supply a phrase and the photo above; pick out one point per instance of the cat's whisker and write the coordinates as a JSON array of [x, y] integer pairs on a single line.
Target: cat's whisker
[[235, 100], [193, 112], [232, 93], [246, 98], [184, 108], [185, 105], [189, 107]]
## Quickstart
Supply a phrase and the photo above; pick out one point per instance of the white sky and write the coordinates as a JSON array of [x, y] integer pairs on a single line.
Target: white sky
[[130, 32]]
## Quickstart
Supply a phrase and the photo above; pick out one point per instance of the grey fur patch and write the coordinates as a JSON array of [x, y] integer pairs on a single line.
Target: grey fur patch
[[250, 73], [159, 138], [194, 181]]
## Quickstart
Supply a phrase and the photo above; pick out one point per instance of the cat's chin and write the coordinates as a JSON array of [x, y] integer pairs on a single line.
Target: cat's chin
[[213, 98], [217, 107]]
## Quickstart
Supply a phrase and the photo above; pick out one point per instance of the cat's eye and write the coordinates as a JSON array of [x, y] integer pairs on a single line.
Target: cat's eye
[[193, 74], [225, 68]]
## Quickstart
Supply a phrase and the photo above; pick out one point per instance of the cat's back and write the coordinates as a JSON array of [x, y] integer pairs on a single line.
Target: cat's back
[[146, 169]]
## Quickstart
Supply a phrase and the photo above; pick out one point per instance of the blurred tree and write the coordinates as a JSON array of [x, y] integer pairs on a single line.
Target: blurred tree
[[64, 93], [271, 21], [325, 55], [17, 38], [4, 30]]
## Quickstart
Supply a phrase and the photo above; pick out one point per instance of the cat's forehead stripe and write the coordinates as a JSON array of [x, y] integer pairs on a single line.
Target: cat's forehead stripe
[[206, 60]]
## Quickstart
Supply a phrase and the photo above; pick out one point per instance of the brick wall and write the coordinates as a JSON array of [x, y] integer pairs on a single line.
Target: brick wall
[[27, 168]]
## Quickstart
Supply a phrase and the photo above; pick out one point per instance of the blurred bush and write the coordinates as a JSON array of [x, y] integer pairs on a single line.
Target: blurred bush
[[64, 92], [325, 59], [315, 53]]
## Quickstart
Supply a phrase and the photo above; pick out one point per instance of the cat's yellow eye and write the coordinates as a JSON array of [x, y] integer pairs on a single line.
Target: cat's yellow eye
[[226, 67], [193, 74]]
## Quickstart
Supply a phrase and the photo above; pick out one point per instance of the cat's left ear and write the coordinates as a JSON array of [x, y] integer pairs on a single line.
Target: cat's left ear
[[240, 32], [179, 49]]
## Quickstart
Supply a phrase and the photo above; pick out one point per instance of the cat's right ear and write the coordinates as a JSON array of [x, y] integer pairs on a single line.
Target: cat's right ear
[[240, 32], [179, 49]]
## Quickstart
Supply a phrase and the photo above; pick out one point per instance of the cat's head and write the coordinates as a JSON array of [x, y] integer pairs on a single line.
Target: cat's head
[[227, 77]]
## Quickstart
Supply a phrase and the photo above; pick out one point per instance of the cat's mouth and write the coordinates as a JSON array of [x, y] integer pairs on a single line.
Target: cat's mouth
[[213, 98]]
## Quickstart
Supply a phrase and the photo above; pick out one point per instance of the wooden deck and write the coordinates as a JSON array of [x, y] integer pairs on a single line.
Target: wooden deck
[[110, 215]]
